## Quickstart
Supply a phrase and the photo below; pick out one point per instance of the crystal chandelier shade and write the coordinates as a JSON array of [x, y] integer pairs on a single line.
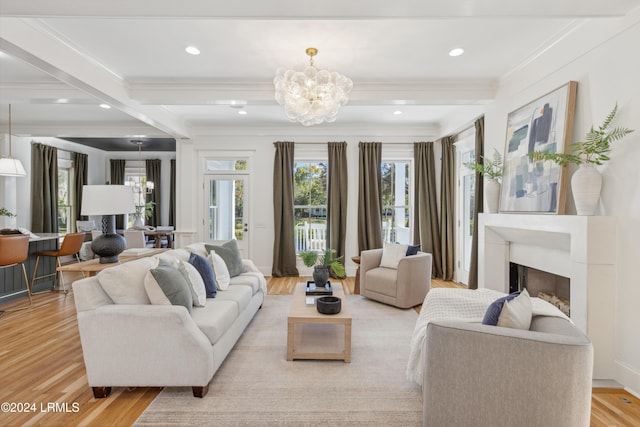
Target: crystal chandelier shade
[[311, 96]]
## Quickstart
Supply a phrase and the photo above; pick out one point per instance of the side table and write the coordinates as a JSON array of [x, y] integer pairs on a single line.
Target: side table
[[356, 287]]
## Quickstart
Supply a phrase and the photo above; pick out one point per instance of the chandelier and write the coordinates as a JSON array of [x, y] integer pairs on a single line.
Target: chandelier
[[141, 186], [8, 165], [311, 96]]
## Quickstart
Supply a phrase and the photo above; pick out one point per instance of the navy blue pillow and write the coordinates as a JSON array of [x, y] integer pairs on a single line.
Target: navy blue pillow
[[204, 268], [413, 250], [493, 312]]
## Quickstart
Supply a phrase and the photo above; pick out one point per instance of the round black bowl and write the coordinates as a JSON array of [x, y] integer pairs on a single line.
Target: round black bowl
[[329, 305]]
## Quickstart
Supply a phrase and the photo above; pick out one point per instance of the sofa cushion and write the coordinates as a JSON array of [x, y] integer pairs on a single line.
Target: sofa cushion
[[392, 254], [174, 256], [240, 294], [206, 272], [230, 253], [251, 279], [382, 280], [492, 314], [221, 271], [170, 281], [215, 318], [517, 313], [195, 282], [124, 283]]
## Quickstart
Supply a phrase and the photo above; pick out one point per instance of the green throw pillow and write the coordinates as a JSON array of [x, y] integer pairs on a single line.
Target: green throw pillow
[[173, 284], [230, 253]]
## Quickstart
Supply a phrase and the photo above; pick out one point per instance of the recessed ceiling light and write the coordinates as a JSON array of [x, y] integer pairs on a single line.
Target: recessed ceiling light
[[242, 112], [397, 112], [192, 50], [105, 106], [456, 52]]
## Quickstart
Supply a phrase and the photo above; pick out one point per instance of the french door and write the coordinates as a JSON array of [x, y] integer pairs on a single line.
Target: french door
[[226, 208], [465, 153]]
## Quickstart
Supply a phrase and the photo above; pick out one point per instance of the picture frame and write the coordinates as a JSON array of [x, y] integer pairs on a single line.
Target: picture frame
[[544, 124]]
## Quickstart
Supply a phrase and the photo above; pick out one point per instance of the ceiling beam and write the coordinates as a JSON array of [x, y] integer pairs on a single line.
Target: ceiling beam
[[25, 39]]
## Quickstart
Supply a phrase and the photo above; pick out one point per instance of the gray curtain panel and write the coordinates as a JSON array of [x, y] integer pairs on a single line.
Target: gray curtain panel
[[426, 228], [337, 200], [369, 196], [172, 193], [447, 208], [80, 179], [477, 205], [153, 172], [117, 178], [44, 188], [284, 250]]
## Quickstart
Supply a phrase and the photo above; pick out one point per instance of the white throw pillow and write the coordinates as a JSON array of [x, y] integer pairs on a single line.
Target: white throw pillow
[[223, 278], [517, 313], [392, 254], [195, 282], [154, 292], [197, 248], [124, 283]]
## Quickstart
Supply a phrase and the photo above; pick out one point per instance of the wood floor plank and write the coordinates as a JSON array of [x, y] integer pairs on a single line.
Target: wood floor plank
[[41, 363]]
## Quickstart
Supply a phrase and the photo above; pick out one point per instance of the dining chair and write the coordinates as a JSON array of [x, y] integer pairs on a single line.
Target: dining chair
[[71, 245], [14, 250]]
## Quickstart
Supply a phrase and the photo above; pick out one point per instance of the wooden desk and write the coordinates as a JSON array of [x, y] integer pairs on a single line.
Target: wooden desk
[[158, 235], [93, 266]]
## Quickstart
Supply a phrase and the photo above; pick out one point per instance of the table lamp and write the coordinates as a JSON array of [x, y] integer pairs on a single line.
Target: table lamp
[[108, 201]]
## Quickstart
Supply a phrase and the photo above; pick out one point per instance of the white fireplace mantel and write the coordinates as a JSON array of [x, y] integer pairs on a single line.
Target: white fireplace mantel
[[582, 248]]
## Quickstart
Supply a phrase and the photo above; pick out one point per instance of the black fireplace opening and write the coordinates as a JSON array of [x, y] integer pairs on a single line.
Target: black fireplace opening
[[550, 287]]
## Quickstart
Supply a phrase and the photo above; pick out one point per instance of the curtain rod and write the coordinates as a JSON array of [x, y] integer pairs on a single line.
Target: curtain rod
[[466, 126]]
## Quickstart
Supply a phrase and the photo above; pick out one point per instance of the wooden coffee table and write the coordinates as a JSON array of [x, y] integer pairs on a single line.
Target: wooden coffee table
[[301, 314]]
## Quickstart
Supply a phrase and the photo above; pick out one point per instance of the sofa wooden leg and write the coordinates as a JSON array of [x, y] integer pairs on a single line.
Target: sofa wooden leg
[[101, 392], [200, 391]]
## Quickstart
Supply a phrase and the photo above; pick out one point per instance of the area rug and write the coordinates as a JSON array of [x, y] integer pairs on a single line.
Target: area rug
[[256, 386]]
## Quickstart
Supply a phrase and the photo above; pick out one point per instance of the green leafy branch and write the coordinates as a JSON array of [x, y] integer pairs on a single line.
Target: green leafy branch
[[4, 212], [491, 168], [593, 150]]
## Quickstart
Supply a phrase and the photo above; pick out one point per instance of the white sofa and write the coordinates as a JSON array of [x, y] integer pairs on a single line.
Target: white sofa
[[129, 344]]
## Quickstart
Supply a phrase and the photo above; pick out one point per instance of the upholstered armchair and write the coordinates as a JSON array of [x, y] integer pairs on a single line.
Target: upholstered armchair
[[403, 287]]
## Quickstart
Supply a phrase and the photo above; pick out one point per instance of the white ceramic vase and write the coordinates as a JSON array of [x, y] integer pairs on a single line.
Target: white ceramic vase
[[491, 195], [586, 184]]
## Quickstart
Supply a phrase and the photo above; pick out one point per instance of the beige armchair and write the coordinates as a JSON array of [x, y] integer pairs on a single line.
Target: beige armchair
[[403, 287]]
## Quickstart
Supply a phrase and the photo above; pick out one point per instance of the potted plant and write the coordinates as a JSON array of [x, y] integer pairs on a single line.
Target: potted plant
[[146, 209], [323, 265], [5, 212], [586, 182], [492, 172]]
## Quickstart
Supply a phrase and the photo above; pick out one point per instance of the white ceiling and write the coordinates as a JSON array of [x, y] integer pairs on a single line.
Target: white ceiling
[[131, 55]]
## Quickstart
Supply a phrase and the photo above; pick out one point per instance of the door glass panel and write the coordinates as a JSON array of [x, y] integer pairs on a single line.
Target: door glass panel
[[226, 209], [467, 225]]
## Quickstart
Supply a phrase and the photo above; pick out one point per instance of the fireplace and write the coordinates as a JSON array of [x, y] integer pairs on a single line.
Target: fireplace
[[550, 287], [581, 249]]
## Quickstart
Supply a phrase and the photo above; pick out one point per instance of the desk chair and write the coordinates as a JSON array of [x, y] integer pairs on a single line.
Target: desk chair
[[71, 245], [14, 249]]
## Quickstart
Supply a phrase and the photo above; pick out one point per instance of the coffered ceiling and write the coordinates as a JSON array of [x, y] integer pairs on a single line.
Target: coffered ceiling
[[60, 59]]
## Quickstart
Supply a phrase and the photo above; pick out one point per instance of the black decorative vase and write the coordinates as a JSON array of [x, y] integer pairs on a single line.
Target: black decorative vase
[[320, 275], [108, 245]]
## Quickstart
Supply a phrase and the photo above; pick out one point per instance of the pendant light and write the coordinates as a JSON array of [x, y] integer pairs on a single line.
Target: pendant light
[[8, 165]]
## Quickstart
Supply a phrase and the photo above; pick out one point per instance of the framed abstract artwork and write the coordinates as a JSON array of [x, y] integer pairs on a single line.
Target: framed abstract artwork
[[544, 124]]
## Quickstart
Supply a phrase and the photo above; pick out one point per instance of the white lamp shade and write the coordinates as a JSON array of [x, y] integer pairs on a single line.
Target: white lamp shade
[[11, 167], [107, 200]]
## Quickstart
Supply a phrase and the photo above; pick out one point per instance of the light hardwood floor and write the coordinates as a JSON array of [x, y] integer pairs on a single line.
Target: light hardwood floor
[[41, 364]]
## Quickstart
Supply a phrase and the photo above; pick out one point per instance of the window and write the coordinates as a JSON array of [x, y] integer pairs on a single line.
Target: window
[[310, 205], [465, 153], [396, 183], [65, 188]]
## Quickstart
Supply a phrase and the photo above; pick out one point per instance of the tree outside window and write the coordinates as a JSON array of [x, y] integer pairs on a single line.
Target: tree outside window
[[310, 203], [395, 202]]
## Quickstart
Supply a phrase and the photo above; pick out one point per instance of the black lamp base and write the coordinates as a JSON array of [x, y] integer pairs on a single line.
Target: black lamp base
[[109, 244]]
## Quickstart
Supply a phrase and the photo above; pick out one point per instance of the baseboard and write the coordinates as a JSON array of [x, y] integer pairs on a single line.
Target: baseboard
[[628, 376]]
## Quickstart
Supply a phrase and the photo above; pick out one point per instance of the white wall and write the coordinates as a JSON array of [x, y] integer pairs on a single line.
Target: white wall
[[602, 58], [16, 195], [259, 144]]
